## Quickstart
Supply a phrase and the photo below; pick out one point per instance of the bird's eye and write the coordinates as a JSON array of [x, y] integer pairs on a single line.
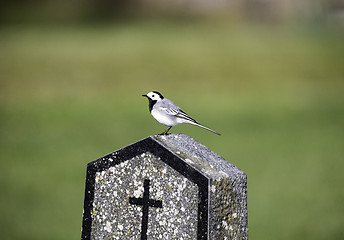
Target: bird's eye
[[153, 95]]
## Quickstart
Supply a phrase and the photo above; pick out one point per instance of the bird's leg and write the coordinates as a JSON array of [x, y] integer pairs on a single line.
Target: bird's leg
[[165, 132]]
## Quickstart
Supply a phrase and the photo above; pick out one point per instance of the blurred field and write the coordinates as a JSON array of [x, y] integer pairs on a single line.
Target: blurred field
[[70, 94]]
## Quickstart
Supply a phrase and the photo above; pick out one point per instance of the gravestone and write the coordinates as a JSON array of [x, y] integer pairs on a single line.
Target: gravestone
[[164, 187]]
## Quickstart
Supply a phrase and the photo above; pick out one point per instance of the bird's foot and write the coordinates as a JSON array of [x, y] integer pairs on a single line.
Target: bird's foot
[[164, 134], [166, 131]]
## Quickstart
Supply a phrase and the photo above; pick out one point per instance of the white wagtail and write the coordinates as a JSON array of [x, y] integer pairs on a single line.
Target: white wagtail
[[168, 113]]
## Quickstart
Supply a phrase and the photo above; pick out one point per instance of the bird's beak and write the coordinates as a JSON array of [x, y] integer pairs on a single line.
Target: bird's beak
[[144, 95]]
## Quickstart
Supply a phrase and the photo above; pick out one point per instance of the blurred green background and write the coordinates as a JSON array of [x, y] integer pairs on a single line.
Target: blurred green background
[[71, 79]]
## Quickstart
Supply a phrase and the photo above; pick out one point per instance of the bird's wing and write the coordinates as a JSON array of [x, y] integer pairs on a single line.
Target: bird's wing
[[183, 115], [171, 108]]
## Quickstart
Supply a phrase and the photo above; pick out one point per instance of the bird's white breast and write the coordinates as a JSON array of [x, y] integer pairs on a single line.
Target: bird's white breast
[[164, 118]]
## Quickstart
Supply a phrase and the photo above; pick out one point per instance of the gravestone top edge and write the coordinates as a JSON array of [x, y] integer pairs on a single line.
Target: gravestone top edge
[[189, 150]]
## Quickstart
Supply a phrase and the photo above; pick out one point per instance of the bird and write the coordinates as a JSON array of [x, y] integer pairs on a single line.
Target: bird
[[168, 113]]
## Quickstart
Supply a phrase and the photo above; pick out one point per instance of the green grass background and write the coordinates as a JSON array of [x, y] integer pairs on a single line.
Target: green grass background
[[70, 94]]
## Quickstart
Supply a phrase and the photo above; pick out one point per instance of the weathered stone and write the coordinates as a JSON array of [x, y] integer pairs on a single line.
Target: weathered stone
[[164, 187]]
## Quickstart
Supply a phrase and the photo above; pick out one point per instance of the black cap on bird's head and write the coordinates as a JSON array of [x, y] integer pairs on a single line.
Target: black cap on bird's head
[[154, 95], [156, 92]]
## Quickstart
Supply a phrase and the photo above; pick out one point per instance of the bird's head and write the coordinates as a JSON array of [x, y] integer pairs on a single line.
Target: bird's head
[[154, 96]]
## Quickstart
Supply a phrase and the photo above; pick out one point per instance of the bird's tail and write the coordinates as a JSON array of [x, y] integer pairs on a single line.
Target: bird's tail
[[197, 124]]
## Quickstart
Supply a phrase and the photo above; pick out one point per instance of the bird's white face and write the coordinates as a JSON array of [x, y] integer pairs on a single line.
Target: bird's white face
[[154, 96]]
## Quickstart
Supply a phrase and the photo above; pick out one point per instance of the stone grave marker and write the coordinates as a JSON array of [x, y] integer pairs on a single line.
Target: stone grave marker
[[164, 187]]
